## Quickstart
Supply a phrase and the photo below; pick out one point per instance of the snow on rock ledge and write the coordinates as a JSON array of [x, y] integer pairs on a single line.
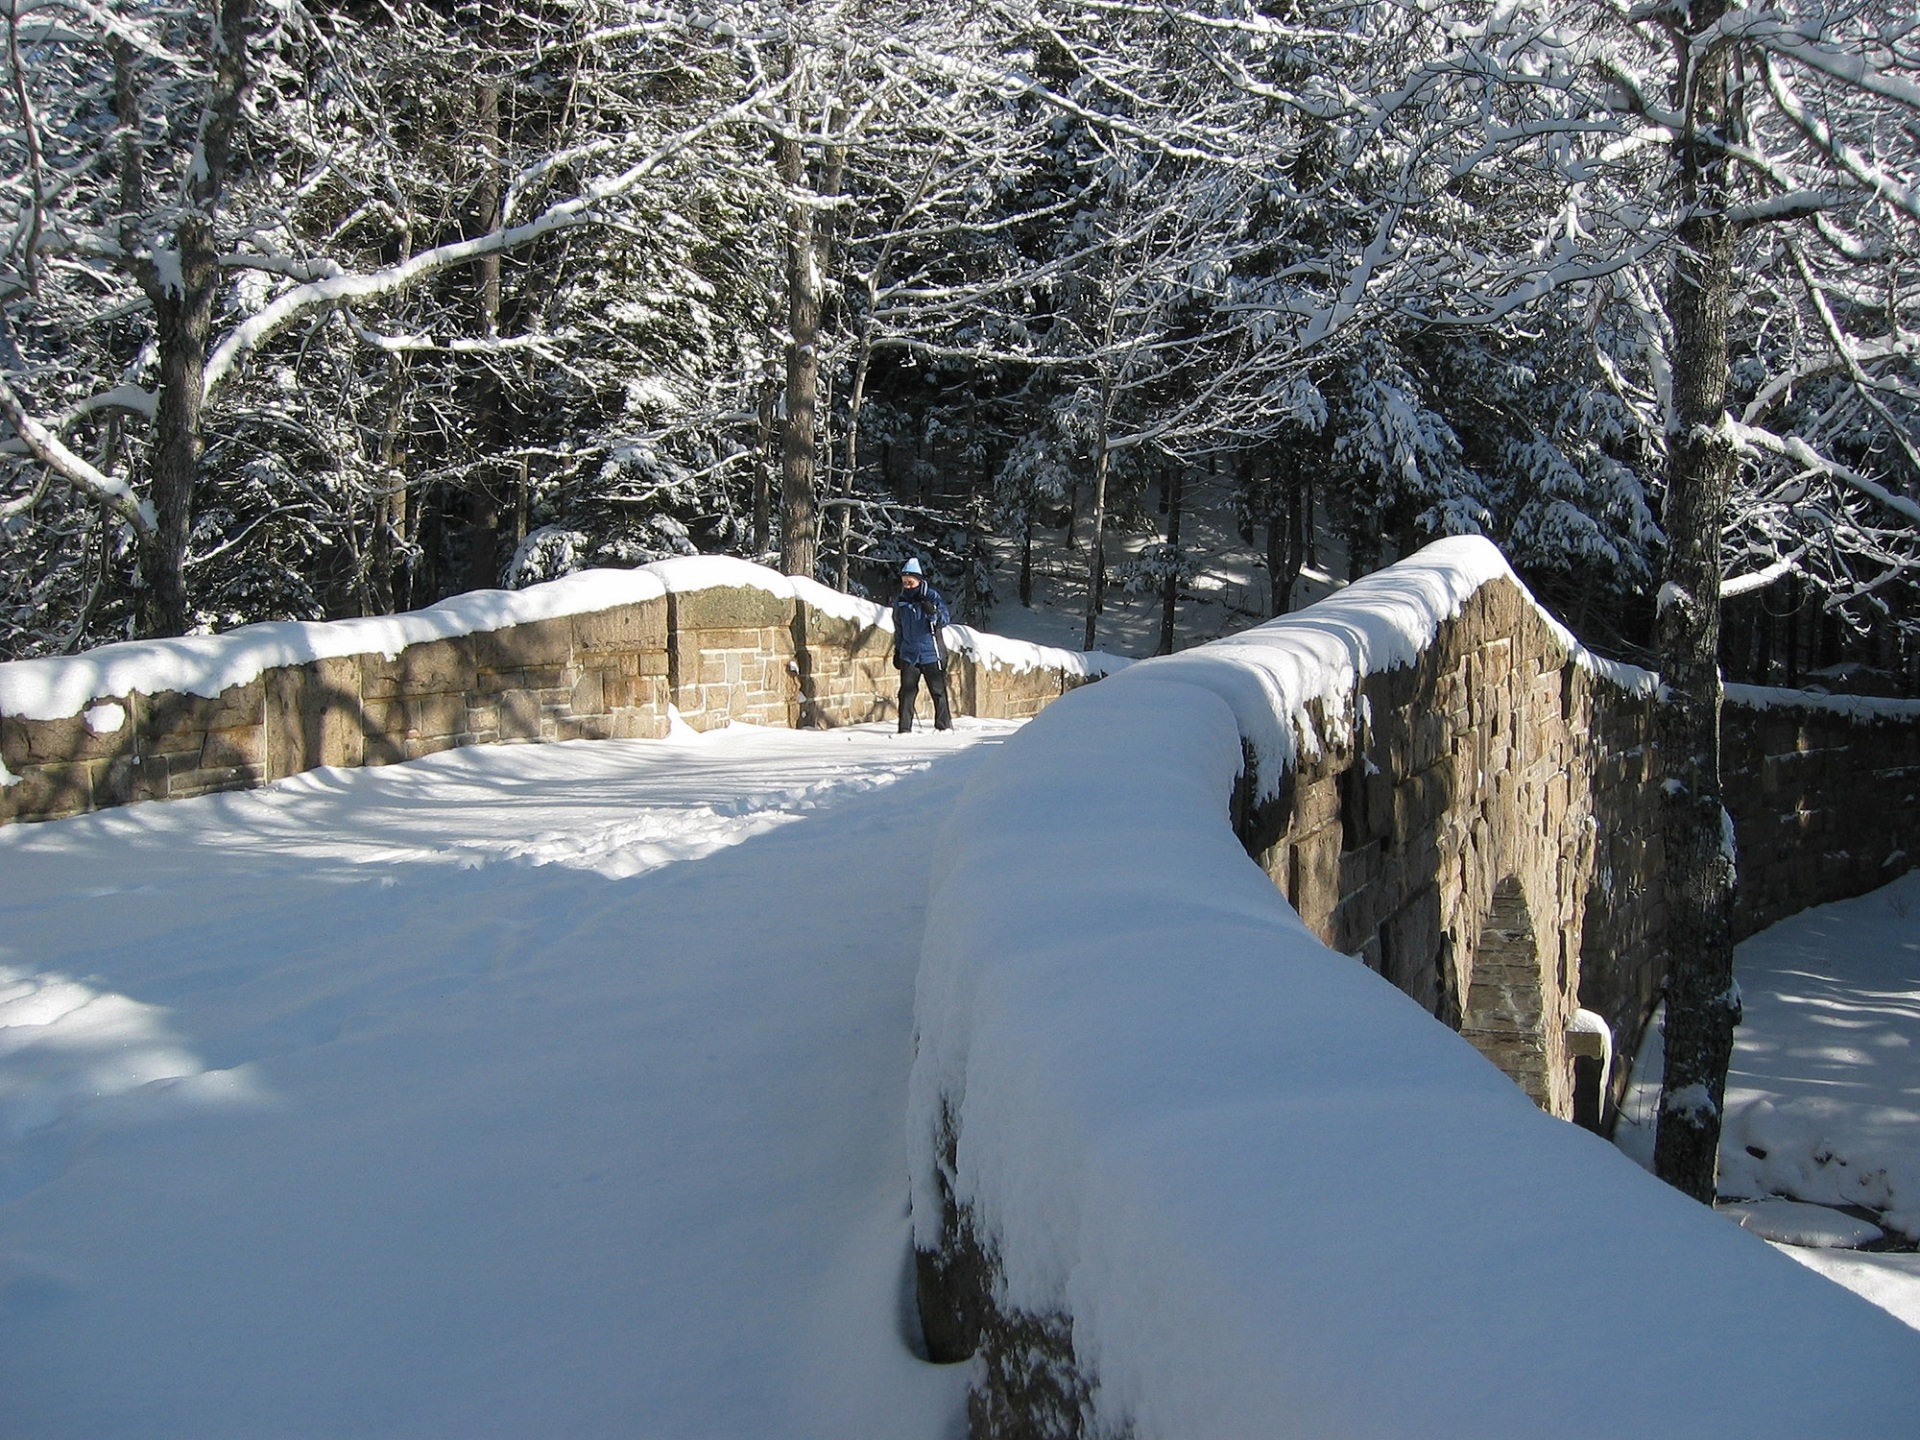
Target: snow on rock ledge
[[1181, 1171]]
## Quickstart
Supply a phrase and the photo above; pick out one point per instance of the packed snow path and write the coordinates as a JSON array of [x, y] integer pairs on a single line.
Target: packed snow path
[[520, 1091]]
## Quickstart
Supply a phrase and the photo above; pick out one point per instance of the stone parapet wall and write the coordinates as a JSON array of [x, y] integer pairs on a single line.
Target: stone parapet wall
[[1139, 1080], [1500, 797], [1456, 836], [768, 652], [1825, 797]]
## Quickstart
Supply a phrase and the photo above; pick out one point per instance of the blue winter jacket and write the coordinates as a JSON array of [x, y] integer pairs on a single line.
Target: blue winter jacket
[[914, 617]]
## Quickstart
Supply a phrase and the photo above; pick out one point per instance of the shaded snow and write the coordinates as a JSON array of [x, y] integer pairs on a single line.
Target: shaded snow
[[519, 1091], [1859, 707], [1823, 1095]]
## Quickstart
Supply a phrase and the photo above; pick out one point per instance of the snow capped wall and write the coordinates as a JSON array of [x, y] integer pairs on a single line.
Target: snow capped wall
[[1181, 1169], [591, 656], [1825, 797]]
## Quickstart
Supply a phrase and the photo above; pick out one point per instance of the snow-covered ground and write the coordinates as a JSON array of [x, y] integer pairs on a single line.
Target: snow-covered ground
[[562, 1090], [519, 1091], [1823, 1097]]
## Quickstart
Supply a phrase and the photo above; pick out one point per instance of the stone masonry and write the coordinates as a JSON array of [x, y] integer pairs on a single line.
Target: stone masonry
[[713, 654], [1487, 837]]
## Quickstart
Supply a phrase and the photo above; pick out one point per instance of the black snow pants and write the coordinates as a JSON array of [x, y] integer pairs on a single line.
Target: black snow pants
[[936, 677]]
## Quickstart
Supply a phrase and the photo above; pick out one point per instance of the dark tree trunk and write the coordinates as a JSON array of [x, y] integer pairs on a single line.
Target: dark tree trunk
[[390, 506], [183, 314], [1702, 1004], [763, 472], [1097, 543], [799, 516], [1026, 554], [1171, 484], [483, 501], [1287, 538]]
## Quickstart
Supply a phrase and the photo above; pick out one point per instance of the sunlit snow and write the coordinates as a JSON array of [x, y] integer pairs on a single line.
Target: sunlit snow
[[519, 1091]]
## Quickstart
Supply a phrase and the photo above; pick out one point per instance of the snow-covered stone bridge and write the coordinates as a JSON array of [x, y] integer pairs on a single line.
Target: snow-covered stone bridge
[[563, 1089]]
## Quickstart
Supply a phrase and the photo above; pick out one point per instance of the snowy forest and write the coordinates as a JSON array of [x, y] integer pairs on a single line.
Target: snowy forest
[[315, 310]]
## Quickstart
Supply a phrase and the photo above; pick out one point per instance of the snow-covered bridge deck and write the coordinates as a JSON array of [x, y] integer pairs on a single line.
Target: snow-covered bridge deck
[[519, 1091]]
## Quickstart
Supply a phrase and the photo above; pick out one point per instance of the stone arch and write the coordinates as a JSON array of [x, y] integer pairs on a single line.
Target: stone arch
[[1511, 1015]]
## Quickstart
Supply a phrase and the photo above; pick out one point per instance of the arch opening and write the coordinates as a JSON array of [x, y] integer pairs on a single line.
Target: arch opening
[[1506, 1015]]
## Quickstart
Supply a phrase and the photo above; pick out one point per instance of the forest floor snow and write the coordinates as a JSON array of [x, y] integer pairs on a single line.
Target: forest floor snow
[[1820, 1152], [1229, 590], [522, 1090]]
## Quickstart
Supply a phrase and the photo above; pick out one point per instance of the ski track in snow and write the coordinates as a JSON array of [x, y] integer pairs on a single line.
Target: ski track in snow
[[517, 1091]]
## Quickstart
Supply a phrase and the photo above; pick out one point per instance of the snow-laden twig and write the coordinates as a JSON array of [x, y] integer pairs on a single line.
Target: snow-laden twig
[[46, 447]]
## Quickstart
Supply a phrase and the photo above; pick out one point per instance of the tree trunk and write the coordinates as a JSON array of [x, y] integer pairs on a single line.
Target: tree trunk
[[1026, 553], [483, 512], [1172, 482], [1703, 1004], [1097, 541], [762, 471], [390, 505], [1287, 538], [799, 515], [183, 314], [856, 397]]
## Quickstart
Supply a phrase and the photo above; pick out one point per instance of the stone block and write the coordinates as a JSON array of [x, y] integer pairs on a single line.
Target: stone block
[[383, 718], [518, 715], [163, 721], [1418, 802], [186, 780], [72, 738], [1494, 663], [744, 607], [531, 644], [47, 792], [1316, 804], [584, 727], [1314, 883], [488, 684], [635, 627], [124, 781], [241, 748], [837, 636], [1362, 906], [433, 667], [1410, 947], [436, 715], [589, 696], [16, 746], [557, 679], [285, 747], [312, 716]]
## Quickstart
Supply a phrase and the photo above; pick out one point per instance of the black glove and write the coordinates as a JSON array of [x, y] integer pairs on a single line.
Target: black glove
[[926, 604]]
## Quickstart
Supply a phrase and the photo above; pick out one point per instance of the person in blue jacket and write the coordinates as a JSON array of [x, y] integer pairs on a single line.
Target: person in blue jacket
[[918, 652]]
